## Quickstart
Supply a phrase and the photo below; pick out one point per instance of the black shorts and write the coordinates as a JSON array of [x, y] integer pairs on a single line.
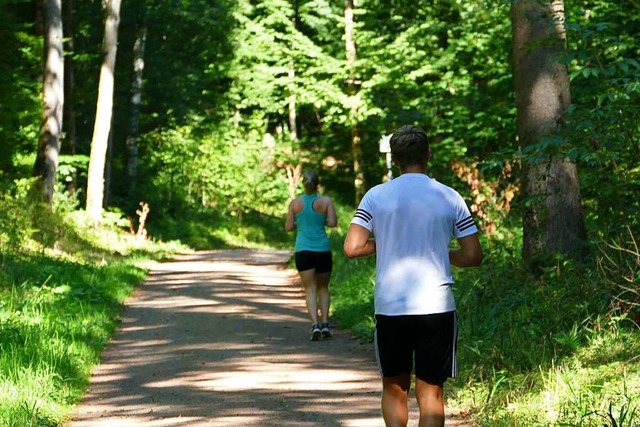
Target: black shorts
[[308, 260], [426, 342]]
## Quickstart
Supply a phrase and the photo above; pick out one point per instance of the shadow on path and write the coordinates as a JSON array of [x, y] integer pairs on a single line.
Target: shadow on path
[[220, 338]]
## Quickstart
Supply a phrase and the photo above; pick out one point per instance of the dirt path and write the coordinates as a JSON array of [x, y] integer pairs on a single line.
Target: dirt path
[[220, 338]]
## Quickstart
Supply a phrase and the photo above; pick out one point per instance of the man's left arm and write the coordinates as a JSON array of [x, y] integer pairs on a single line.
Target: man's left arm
[[469, 254], [357, 243]]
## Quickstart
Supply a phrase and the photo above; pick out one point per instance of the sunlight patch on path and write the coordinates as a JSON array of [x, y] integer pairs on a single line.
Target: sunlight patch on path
[[272, 377]]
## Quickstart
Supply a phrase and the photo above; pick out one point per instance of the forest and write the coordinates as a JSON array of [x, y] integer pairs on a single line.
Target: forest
[[135, 129]]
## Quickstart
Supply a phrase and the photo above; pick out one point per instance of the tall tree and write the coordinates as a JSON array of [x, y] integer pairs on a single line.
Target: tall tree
[[104, 111], [294, 171], [46, 164], [553, 218], [136, 101], [69, 115], [68, 112], [352, 91]]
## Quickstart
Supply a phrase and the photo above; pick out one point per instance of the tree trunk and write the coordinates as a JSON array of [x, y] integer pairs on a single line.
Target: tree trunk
[[46, 164], [294, 172], [106, 199], [136, 101], [352, 90], [69, 82], [293, 127], [104, 111], [292, 164], [553, 219]]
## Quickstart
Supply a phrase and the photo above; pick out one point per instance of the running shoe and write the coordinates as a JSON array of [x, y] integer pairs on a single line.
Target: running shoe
[[325, 330], [315, 333]]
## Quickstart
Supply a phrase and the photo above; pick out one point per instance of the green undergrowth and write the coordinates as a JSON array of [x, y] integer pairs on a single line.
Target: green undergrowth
[[60, 301], [555, 349], [55, 318], [211, 229]]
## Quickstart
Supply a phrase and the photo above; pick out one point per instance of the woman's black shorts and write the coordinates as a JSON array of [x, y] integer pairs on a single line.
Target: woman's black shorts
[[308, 260]]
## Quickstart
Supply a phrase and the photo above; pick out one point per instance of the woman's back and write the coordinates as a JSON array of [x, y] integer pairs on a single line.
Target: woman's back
[[311, 218]]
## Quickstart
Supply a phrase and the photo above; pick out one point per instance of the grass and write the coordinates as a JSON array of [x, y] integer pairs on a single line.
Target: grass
[[59, 306], [548, 350]]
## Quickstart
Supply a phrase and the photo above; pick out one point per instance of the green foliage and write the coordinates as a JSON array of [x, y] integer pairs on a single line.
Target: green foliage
[[72, 168], [19, 65], [55, 317], [619, 263], [230, 170], [188, 47], [553, 337], [212, 229], [352, 289], [445, 67], [603, 130], [58, 308], [352, 281], [12, 237]]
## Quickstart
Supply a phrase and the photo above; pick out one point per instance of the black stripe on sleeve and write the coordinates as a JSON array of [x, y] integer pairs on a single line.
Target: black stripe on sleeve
[[465, 223], [363, 215]]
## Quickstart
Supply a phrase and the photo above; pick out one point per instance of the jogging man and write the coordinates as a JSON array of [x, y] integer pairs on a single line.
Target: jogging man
[[413, 219]]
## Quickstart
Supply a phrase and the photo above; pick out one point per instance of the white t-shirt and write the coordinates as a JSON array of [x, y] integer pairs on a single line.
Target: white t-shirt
[[413, 218]]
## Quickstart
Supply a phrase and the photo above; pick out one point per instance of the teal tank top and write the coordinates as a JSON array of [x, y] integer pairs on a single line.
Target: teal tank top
[[311, 235]]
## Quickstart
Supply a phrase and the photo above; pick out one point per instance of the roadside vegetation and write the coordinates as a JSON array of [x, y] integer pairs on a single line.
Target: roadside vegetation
[[62, 288]]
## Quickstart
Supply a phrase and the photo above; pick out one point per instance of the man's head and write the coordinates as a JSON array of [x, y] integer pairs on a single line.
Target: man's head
[[409, 147]]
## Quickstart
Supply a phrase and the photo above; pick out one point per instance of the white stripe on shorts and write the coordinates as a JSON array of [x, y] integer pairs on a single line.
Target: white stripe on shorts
[[375, 345], [454, 361]]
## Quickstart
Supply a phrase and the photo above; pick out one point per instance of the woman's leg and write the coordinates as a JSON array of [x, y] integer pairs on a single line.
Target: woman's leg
[[322, 287], [308, 279]]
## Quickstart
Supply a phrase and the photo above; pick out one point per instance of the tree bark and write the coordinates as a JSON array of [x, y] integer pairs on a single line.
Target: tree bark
[[294, 171], [293, 127], [553, 220], [46, 164], [136, 101], [104, 111], [69, 115], [352, 91]]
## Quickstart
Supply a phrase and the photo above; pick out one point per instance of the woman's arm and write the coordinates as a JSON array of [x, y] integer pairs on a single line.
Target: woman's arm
[[290, 222], [332, 219]]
